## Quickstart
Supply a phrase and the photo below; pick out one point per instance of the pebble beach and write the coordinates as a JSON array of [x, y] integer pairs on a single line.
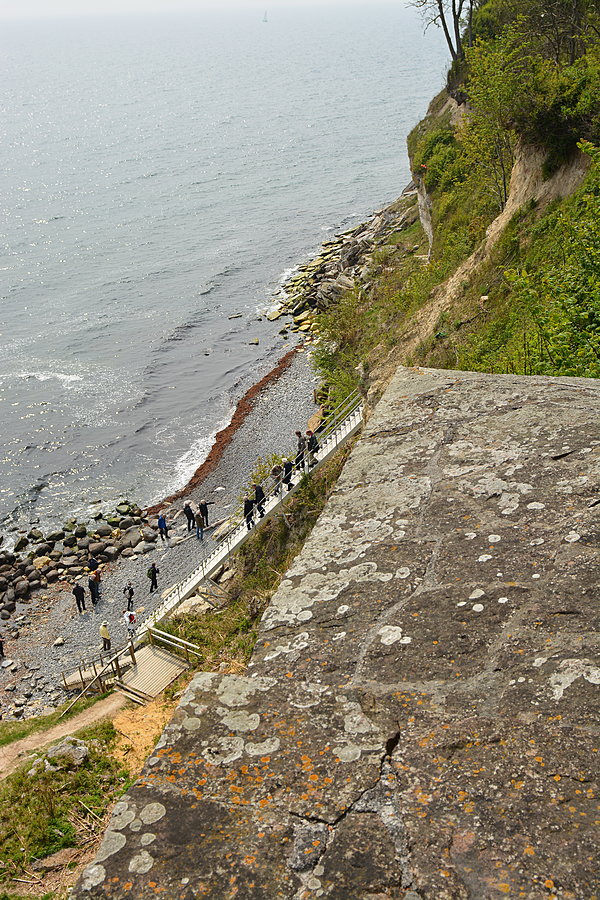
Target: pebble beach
[[53, 637]]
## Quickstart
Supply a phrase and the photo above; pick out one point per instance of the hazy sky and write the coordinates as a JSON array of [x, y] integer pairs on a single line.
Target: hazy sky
[[36, 8]]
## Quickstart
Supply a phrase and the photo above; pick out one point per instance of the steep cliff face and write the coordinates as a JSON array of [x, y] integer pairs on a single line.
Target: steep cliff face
[[528, 185], [418, 719]]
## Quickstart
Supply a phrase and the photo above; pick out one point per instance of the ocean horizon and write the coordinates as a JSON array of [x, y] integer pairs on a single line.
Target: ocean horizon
[[162, 174]]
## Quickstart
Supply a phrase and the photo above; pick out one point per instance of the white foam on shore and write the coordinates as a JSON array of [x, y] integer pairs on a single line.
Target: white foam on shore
[[189, 462]]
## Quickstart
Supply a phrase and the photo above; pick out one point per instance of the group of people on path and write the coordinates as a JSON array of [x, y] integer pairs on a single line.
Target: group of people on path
[[196, 519], [282, 473]]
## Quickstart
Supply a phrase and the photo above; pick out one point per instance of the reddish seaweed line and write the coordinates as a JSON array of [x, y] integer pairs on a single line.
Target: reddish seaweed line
[[225, 436]]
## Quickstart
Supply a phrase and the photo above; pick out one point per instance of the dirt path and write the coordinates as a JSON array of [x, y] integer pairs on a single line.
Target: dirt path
[[14, 754]]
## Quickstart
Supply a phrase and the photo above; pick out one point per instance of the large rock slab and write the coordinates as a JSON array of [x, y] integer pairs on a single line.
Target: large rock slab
[[419, 718]]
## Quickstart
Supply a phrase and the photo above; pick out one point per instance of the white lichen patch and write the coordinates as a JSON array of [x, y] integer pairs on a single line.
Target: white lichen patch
[[147, 839], [339, 636], [502, 599], [570, 671], [348, 753], [494, 538], [478, 607], [536, 505], [536, 542], [141, 863], [223, 751], [402, 572], [123, 815], [392, 634], [476, 594], [484, 557], [92, 877], [265, 748], [239, 720], [470, 535], [539, 661], [191, 724], [112, 843], [572, 537], [235, 690], [152, 812], [355, 722], [342, 610], [298, 643]]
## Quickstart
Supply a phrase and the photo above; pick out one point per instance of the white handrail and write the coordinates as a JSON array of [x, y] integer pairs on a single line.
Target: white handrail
[[332, 437]]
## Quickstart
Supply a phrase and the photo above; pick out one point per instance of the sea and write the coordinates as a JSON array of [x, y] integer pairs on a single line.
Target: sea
[[160, 174]]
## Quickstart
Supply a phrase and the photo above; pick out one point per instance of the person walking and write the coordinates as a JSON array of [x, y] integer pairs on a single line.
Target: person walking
[[189, 514], [93, 586], [249, 511], [199, 525], [105, 635], [313, 447], [130, 623], [276, 473], [1, 648], [79, 594], [163, 528], [301, 452], [129, 592], [203, 507], [259, 499], [152, 572], [287, 473]]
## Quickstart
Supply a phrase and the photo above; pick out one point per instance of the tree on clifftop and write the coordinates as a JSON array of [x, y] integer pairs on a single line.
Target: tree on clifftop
[[454, 17]]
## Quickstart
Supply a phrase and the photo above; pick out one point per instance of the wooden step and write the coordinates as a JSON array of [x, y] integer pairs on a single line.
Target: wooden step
[[132, 693]]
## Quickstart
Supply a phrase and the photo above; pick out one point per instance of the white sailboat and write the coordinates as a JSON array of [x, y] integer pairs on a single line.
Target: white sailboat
[[265, 19]]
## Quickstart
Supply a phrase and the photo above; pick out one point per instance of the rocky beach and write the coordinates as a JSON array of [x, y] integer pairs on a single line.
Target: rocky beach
[[43, 633]]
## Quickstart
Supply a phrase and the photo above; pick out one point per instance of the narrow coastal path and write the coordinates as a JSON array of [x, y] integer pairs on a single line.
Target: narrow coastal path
[[14, 754]]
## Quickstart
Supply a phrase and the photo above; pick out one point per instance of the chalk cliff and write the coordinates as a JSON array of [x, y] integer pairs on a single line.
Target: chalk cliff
[[419, 719]]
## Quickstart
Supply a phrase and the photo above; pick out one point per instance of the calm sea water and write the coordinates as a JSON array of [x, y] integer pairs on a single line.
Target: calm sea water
[[158, 175]]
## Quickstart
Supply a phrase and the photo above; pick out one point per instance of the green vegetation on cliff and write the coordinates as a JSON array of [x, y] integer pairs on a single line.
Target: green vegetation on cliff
[[527, 83]]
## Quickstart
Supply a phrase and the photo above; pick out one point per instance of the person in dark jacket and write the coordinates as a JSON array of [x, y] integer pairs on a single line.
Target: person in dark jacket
[[287, 473], [301, 453], [163, 528], [203, 507], [276, 473], [249, 511], [128, 591], [312, 448], [94, 586], [199, 520], [152, 572], [79, 594], [1, 648], [189, 514], [259, 499]]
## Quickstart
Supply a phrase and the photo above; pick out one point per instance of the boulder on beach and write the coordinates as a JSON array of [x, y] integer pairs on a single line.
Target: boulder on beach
[[130, 538], [104, 530]]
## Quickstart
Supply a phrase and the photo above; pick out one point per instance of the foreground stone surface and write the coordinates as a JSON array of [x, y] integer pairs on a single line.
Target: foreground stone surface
[[419, 719]]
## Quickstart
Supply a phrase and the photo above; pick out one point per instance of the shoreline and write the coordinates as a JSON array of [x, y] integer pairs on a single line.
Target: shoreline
[[225, 436]]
